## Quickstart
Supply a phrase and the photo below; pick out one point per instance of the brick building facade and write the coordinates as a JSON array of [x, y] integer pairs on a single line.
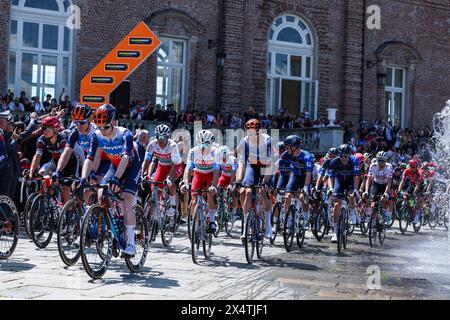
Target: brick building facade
[[411, 46]]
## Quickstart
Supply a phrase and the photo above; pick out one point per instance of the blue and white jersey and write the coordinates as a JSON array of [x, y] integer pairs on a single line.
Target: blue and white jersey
[[121, 144], [325, 166], [344, 172], [256, 151], [299, 165], [82, 140]]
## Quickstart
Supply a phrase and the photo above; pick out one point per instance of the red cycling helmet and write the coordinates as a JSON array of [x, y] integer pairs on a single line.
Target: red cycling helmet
[[52, 122], [360, 158], [413, 164]]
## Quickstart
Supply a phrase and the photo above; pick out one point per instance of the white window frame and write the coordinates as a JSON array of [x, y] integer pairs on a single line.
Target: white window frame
[[170, 65], [291, 49], [393, 90], [22, 14]]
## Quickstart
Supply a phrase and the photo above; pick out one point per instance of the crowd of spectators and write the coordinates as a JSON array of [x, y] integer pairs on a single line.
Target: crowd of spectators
[[364, 136]]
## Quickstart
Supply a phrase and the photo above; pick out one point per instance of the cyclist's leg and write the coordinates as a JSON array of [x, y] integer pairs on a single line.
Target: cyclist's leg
[[267, 206], [129, 179], [338, 193], [251, 178]]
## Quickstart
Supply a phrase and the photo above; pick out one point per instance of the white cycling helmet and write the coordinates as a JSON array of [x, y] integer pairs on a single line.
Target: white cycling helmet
[[162, 130], [205, 137]]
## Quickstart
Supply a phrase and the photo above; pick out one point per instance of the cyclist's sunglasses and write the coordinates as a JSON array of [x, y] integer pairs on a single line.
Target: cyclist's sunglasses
[[161, 137], [345, 156], [81, 122], [105, 127]]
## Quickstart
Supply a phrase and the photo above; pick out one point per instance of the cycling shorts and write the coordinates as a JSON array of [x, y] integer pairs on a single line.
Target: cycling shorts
[[129, 180], [377, 190], [201, 181], [253, 176], [295, 183], [224, 181], [342, 187]]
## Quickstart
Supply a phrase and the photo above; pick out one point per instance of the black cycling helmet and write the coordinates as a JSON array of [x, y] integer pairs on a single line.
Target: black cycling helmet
[[293, 141], [280, 145], [345, 149], [333, 151]]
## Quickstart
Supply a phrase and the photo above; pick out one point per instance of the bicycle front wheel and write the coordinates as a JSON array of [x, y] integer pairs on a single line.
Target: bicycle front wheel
[[250, 237], [69, 231], [41, 221], [9, 227], [96, 242], [275, 218], [289, 229], [195, 236], [320, 223], [403, 219], [341, 231], [26, 213], [373, 228], [141, 238]]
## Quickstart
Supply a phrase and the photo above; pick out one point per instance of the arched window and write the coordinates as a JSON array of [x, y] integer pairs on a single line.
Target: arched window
[[40, 48], [291, 82]]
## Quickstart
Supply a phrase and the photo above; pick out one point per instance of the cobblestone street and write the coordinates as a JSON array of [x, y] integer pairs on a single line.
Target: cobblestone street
[[413, 266]]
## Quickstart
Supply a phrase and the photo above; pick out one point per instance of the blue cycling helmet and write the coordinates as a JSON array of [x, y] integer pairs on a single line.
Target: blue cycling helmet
[[345, 149], [293, 141], [280, 145]]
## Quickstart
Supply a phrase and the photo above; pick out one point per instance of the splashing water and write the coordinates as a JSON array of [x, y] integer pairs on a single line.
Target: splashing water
[[439, 150]]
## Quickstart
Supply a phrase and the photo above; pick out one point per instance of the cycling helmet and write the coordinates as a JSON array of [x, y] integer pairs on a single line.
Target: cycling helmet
[[205, 137], [345, 149], [104, 115], [367, 156], [253, 124], [162, 130], [52, 122], [81, 112], [333, 152], [280, 145], [382, 156], [293, 141], [360, 158], [413, 164]]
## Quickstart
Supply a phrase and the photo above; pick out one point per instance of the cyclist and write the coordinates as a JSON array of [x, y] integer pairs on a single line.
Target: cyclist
[[343, 177], [117, 143], [254, 162], [412, 182], [203, 162], [163, 154], [53, 143], [323, 173], [379, 183], [301, 164], [228, 168]]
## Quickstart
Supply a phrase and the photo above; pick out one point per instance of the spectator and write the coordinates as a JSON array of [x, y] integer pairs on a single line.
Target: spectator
[[3, 105], [138, 112], [38, 107], [16, 106], [171, 114], [47, 103]]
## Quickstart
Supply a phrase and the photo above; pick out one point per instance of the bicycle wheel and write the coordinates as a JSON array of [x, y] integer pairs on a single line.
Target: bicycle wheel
[[381, 230], [373, 228], [9, 227], [301, 231], [341, 231], [152, 222], [433, 220], [96, 242], [289, 228], [261, 230], [365, 221], [168, 229], [393, 215], [141, 237], [250, 237], [403, 219], [346, 228], [26, 213], [207, 245], [195, 236], [276, 214], [219, 221], [41, 221], [69, 231], [230, 220], [417, 226], [320, 223], [189, 223]]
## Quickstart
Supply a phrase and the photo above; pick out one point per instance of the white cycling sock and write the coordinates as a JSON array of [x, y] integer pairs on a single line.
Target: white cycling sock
[[173, 200], [130, 233]]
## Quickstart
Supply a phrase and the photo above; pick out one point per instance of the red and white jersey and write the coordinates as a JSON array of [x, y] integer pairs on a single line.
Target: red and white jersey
[[229, 167], [203, 163], [167, 156], [381, 176]]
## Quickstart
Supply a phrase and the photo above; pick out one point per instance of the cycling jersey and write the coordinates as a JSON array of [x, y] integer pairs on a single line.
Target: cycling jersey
[[413, 177], [343, 175], [325, 166], [256, 151], [203, 163], [119, 145], [54, 149], [315, 172], [229, 167], [166, 156], [299, 165], [380, 176], [83, 140]]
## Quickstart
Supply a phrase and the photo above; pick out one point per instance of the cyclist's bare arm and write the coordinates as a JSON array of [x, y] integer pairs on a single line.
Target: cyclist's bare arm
[[122, 166], [144, 168], [240, 172], [64, 158], [34, 164], [89, 164], [368, 183]]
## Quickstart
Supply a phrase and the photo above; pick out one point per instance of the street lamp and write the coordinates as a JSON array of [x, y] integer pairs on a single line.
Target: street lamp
[[381, 79]]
